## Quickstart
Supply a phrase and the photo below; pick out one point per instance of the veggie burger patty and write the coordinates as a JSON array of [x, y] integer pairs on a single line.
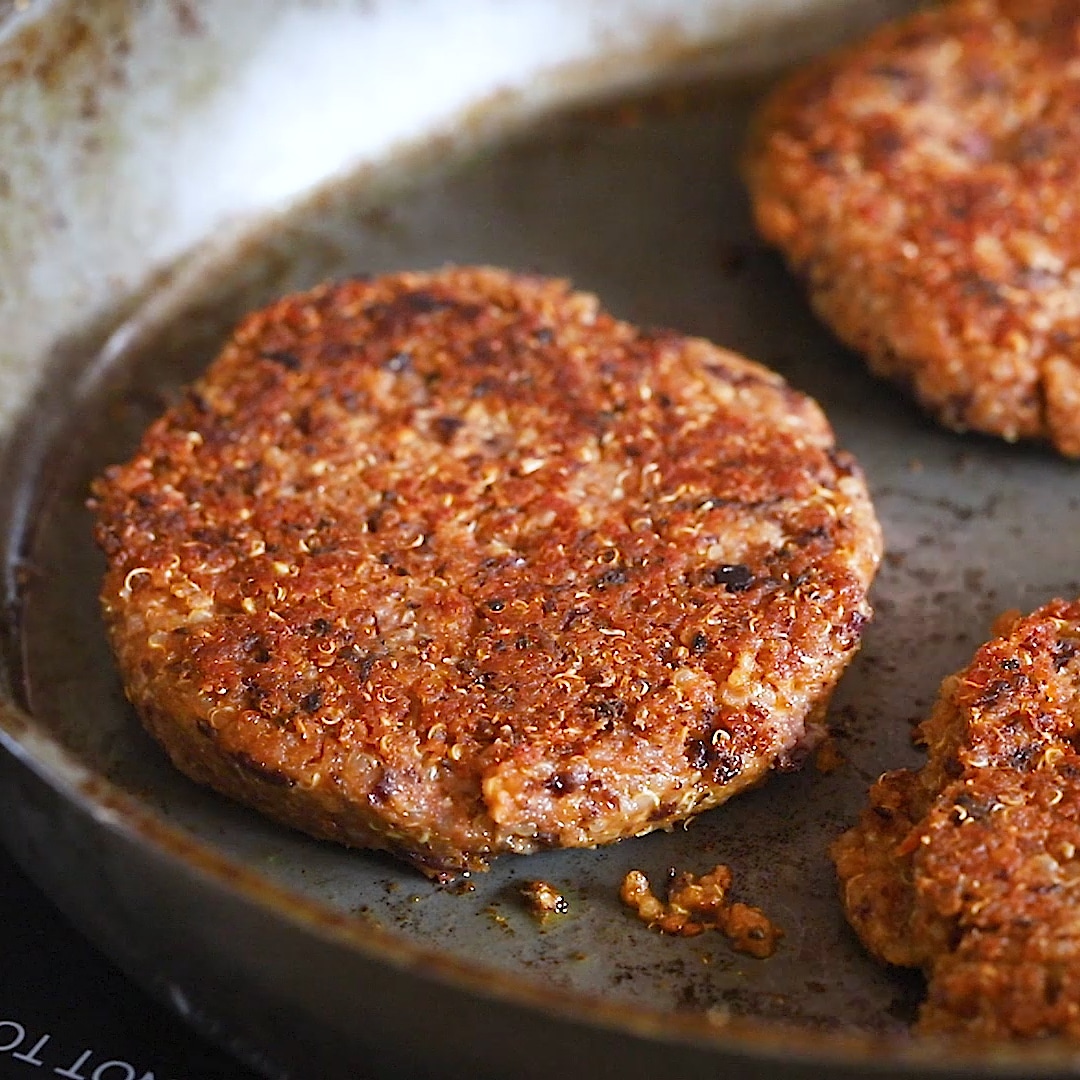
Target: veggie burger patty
[[456, 563], [923, 184]]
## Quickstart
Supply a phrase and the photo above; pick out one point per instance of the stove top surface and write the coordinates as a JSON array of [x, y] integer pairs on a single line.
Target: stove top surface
[[67, 1011]]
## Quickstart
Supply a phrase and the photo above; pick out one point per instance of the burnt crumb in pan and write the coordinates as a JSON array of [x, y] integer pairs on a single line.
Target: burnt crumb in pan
[[969, 868], [696, 904], [922, 185], [455, 564], [544, 899]]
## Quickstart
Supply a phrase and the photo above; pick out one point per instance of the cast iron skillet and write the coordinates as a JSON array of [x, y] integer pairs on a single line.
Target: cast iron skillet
[[134, 137]]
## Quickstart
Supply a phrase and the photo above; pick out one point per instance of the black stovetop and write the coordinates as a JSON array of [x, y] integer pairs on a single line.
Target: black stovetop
[[67, 1011]]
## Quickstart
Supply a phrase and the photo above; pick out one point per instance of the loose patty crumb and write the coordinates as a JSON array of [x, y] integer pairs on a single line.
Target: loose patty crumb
[[543, 899], [922, 183], [455, 564], [696, 904], [970, 867]]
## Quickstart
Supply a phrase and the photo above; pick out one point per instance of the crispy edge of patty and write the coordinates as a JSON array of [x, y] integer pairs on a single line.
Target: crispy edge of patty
[[968, 868], [303, 771], [921, 183]]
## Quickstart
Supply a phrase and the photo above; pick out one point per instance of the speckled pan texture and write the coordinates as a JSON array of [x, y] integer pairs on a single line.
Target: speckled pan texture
[[119, 282]]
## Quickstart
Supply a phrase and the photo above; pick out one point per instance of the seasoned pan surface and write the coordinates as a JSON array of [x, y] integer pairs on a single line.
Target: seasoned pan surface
[[640, 203]]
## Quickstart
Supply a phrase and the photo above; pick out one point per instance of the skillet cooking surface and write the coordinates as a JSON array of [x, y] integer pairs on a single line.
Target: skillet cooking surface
[[642, 206]]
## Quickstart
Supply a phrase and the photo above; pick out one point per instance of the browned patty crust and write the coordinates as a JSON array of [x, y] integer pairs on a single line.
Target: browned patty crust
[[456, 563], [970, 868], [923, 183]]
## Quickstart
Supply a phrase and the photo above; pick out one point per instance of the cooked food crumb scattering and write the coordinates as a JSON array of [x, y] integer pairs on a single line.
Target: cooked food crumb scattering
[[696, 904], [969, 867], [544, 899]]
